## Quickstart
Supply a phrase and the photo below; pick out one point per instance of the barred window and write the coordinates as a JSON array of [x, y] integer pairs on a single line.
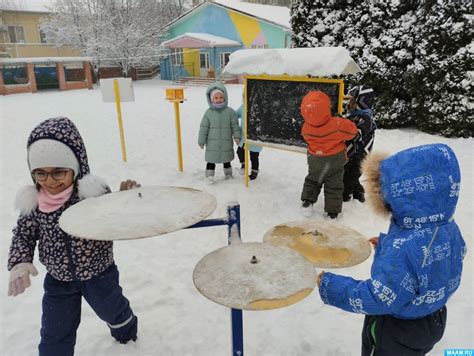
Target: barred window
[[16, 34]]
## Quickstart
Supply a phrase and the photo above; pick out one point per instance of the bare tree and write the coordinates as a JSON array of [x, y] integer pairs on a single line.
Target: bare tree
[[123, 32]]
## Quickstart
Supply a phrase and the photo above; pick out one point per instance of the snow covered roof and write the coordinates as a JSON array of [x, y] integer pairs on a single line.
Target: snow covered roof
[[45, 60], [200, 40], [276, 15], [320, 61], [26, 5], [279, 15]]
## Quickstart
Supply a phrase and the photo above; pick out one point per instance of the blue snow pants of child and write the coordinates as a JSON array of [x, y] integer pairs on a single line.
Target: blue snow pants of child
[[62, 311]]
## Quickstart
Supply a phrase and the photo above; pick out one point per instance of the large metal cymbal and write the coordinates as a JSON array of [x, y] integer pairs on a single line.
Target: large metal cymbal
[[254, 276], [326, 245], [137, 213]]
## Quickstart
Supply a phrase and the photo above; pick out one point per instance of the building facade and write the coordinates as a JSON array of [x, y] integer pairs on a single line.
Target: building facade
[[20, 33], [200, 41]]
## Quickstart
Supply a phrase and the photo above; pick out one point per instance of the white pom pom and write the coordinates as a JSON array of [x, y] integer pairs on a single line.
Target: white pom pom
[[91, 186], [26, 199]]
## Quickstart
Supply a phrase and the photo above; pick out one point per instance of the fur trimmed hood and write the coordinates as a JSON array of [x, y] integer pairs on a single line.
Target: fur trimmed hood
[[373, 193], [26, 199], [418, 186]]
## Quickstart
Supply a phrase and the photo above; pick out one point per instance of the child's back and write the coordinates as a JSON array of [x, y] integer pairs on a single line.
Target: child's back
[[326, 157], [324, 133]]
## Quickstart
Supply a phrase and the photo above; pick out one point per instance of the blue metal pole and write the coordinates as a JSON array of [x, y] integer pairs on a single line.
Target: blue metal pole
[[233, 229], [233, 236]]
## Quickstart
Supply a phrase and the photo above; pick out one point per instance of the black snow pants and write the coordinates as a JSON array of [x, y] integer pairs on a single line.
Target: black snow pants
[[384, 335], [352, 173]]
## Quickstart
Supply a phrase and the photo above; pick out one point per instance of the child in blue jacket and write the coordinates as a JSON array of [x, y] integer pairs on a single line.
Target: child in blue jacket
[[254, 151], [417, 264]]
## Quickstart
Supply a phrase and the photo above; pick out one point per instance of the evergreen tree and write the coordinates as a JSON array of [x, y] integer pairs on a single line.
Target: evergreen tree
[[443, 90], [414, 55]]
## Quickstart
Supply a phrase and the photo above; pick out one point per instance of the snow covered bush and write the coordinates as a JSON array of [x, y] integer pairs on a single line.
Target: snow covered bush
[[415, 54]]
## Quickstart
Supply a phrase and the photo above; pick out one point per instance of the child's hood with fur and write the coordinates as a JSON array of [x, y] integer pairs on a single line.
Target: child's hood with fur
[[418, 263], [63, 130], [418, 186]]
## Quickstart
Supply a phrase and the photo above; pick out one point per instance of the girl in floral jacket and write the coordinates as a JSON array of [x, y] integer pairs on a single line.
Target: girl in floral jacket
[[76, 268]]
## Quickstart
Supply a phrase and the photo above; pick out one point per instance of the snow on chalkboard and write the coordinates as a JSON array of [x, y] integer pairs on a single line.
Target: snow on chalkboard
[[273, 107]]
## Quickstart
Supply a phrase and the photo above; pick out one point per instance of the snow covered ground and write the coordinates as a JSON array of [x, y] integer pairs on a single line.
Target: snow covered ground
[[156, 273]]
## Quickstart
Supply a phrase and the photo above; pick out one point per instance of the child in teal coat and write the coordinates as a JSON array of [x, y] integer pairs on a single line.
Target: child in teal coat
[[218, 126]]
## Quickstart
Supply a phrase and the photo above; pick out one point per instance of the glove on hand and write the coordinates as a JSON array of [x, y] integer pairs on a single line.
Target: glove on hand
[[129, 184], [20, 278]]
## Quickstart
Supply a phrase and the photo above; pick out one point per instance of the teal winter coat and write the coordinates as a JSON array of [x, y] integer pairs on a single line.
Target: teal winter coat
[[218, 128]]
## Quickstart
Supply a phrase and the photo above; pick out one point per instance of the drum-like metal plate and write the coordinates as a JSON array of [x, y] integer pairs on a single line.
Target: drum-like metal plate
[[324, 244], [137, 213], [254, 276]]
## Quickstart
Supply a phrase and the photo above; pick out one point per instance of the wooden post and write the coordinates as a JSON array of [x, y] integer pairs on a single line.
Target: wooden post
[[119, 114], [178, 135]]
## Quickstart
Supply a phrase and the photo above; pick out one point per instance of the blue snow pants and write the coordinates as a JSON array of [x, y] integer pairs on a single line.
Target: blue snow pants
[[62, 311]]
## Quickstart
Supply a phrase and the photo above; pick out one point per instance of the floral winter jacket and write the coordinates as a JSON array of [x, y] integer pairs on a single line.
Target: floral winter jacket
[[66, 258]]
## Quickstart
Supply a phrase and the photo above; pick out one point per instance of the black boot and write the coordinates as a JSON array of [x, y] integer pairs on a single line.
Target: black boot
[[359, 196], [253, 175], [346, 197], [333, 215], [127, 332]]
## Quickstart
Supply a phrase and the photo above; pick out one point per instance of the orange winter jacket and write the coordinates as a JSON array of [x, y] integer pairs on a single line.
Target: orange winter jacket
[[324, 134]]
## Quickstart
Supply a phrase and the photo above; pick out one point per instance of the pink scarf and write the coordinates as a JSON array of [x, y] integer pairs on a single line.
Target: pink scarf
[[48, 202]]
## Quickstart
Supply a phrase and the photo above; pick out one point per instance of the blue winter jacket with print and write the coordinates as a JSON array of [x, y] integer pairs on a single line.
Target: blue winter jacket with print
[[417, 265]]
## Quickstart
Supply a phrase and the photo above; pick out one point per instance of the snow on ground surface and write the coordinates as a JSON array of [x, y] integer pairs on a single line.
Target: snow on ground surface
[[156, 273]]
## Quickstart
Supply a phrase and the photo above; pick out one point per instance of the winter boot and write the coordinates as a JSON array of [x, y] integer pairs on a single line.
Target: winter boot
[[359, 196], [209, 176], [307, 208], [253, 175], [333, 215], [242, 169], [127, 332], [228, 173]]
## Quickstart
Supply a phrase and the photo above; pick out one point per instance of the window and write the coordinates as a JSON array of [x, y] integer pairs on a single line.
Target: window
[[259, 46], [224, 58], [42, 36], [16, 34], [176, 56], [204, 60]]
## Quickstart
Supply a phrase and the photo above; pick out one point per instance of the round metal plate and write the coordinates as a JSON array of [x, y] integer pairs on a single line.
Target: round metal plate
[[137, 213], [254, 276], [324, 244]]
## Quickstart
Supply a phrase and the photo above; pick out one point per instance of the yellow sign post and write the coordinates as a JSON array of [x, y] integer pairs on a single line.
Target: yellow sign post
[[119, 114], [176, 96]]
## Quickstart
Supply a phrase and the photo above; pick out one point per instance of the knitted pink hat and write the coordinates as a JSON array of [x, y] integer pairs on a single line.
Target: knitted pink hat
[[216, 91]]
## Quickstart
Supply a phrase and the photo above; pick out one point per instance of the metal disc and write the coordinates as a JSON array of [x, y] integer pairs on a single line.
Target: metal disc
[[137, 213], [254, 276], [324, 244]]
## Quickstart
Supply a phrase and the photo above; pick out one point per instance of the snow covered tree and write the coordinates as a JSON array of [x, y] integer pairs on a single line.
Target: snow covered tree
[[441, 85], [120, 32], [394, 44]]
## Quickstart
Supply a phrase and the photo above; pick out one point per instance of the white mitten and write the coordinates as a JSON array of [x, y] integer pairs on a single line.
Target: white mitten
[[20, 278]]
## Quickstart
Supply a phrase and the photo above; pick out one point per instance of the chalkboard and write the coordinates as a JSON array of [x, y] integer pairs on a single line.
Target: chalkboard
[[273, 106]]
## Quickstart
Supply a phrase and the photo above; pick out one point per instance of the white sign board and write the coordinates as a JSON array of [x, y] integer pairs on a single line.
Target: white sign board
[[125, 89]]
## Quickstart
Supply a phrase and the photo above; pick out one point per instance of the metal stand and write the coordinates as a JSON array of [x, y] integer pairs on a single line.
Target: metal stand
[[233, 236]]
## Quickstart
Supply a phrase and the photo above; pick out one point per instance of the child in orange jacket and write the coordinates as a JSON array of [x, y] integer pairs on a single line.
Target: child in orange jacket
[[325, 136]]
